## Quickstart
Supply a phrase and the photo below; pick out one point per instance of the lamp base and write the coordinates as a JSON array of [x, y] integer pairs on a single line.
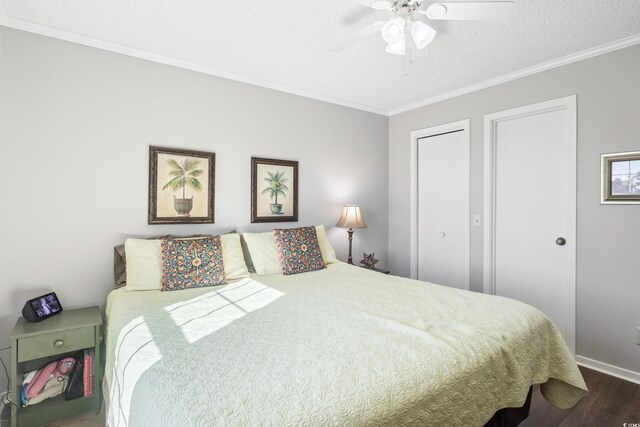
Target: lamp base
[[350, 259]]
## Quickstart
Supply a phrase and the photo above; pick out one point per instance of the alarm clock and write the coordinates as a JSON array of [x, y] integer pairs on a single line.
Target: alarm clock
[[42, 307]]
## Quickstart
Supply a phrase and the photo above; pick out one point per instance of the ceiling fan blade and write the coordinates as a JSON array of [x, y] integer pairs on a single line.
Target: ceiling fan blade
[[470, 11], [376, 4], [358, 36]]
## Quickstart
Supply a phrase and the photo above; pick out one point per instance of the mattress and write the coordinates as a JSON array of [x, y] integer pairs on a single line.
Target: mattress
[[343, 346]]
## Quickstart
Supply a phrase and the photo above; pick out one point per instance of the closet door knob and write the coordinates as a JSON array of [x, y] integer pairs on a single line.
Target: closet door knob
[[561, 241]]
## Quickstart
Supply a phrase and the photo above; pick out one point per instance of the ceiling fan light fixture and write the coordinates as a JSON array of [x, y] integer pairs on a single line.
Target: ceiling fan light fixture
[[422, 34], [397, 48], [393, 30]]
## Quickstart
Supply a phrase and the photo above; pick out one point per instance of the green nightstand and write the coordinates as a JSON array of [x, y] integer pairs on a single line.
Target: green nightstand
[[33, 345]]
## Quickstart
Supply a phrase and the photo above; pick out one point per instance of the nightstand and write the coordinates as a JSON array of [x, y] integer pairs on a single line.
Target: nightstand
[[33, 345]]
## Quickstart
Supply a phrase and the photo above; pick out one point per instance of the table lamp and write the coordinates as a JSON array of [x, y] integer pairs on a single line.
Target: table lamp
[[351, 218]]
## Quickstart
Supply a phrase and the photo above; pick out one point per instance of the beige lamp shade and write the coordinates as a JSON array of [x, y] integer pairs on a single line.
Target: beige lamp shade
[[351, 218]]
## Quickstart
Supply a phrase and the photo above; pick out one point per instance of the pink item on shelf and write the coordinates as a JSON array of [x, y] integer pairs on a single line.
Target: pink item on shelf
[[56, 369]]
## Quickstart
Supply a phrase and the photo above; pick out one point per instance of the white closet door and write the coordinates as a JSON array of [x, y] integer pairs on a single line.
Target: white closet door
[[443, 209], [532, 167]]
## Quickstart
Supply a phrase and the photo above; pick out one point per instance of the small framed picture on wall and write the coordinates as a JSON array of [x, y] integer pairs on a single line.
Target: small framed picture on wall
[[274, 190], [621, 178], [181, 186]]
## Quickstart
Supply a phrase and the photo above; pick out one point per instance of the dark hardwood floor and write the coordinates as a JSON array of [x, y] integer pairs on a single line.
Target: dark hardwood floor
[[610, 402]]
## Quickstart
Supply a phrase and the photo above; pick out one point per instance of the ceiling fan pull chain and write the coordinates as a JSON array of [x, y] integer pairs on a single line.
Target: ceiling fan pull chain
[[407, 62]]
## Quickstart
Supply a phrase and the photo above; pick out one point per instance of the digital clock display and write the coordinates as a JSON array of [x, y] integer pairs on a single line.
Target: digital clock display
[[46, 306], [42, 307]]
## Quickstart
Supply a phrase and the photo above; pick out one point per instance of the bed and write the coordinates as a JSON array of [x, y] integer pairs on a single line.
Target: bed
[[343, 346]]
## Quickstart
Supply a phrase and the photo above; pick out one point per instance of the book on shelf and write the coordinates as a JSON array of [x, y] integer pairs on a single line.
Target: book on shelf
[[85, 372], [89, 372], [75, 386]]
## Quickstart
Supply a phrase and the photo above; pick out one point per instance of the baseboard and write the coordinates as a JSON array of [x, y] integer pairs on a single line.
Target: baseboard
[[605, 368]]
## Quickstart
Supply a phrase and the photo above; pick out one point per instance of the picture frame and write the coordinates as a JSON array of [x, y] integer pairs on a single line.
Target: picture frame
[[620, 183], [272, 179], [181, 186]]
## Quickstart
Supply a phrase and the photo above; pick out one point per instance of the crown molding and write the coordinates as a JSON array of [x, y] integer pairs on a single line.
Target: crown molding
[[559, 62], [87, 41], [111, 47]]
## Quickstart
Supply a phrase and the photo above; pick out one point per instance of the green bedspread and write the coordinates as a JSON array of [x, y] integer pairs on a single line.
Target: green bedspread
[[340, 347]]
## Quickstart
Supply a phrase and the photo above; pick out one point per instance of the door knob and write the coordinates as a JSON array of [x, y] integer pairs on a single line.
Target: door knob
[[560, 241]]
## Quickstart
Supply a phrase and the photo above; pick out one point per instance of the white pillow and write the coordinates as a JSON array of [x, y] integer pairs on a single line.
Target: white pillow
[[144, 262], [264, 252], [328, 253], [232, 257]]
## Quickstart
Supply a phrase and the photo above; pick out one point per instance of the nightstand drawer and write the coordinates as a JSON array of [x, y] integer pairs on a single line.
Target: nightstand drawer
[[37, 346]]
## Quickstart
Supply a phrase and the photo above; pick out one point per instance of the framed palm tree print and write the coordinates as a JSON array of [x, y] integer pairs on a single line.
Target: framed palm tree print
[[274, 190], [181, 186]]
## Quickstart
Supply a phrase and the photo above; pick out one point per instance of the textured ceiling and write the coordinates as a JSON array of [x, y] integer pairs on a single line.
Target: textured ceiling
[[286, 43]]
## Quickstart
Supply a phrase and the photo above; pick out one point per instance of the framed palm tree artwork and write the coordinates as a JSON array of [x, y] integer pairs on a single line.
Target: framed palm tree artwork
[[274, 190], [181, 186]]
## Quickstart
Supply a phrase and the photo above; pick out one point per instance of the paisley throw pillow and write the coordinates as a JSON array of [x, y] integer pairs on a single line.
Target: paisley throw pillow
[[298, 249], [190, 264]]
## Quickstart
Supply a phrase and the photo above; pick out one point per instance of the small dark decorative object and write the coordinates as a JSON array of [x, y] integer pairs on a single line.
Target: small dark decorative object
[[369, 261]]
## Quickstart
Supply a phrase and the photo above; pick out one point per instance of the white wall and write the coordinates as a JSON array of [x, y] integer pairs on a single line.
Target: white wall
[[608, 247], [75, 126]]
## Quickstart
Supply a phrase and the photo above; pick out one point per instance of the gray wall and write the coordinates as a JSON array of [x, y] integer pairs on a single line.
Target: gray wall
[[75, 126], [608, 251]]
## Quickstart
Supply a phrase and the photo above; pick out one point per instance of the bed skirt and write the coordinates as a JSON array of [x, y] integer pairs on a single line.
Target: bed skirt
[[511, 417]]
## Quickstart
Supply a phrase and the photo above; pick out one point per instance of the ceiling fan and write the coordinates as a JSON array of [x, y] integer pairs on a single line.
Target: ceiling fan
[[407, 16]]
